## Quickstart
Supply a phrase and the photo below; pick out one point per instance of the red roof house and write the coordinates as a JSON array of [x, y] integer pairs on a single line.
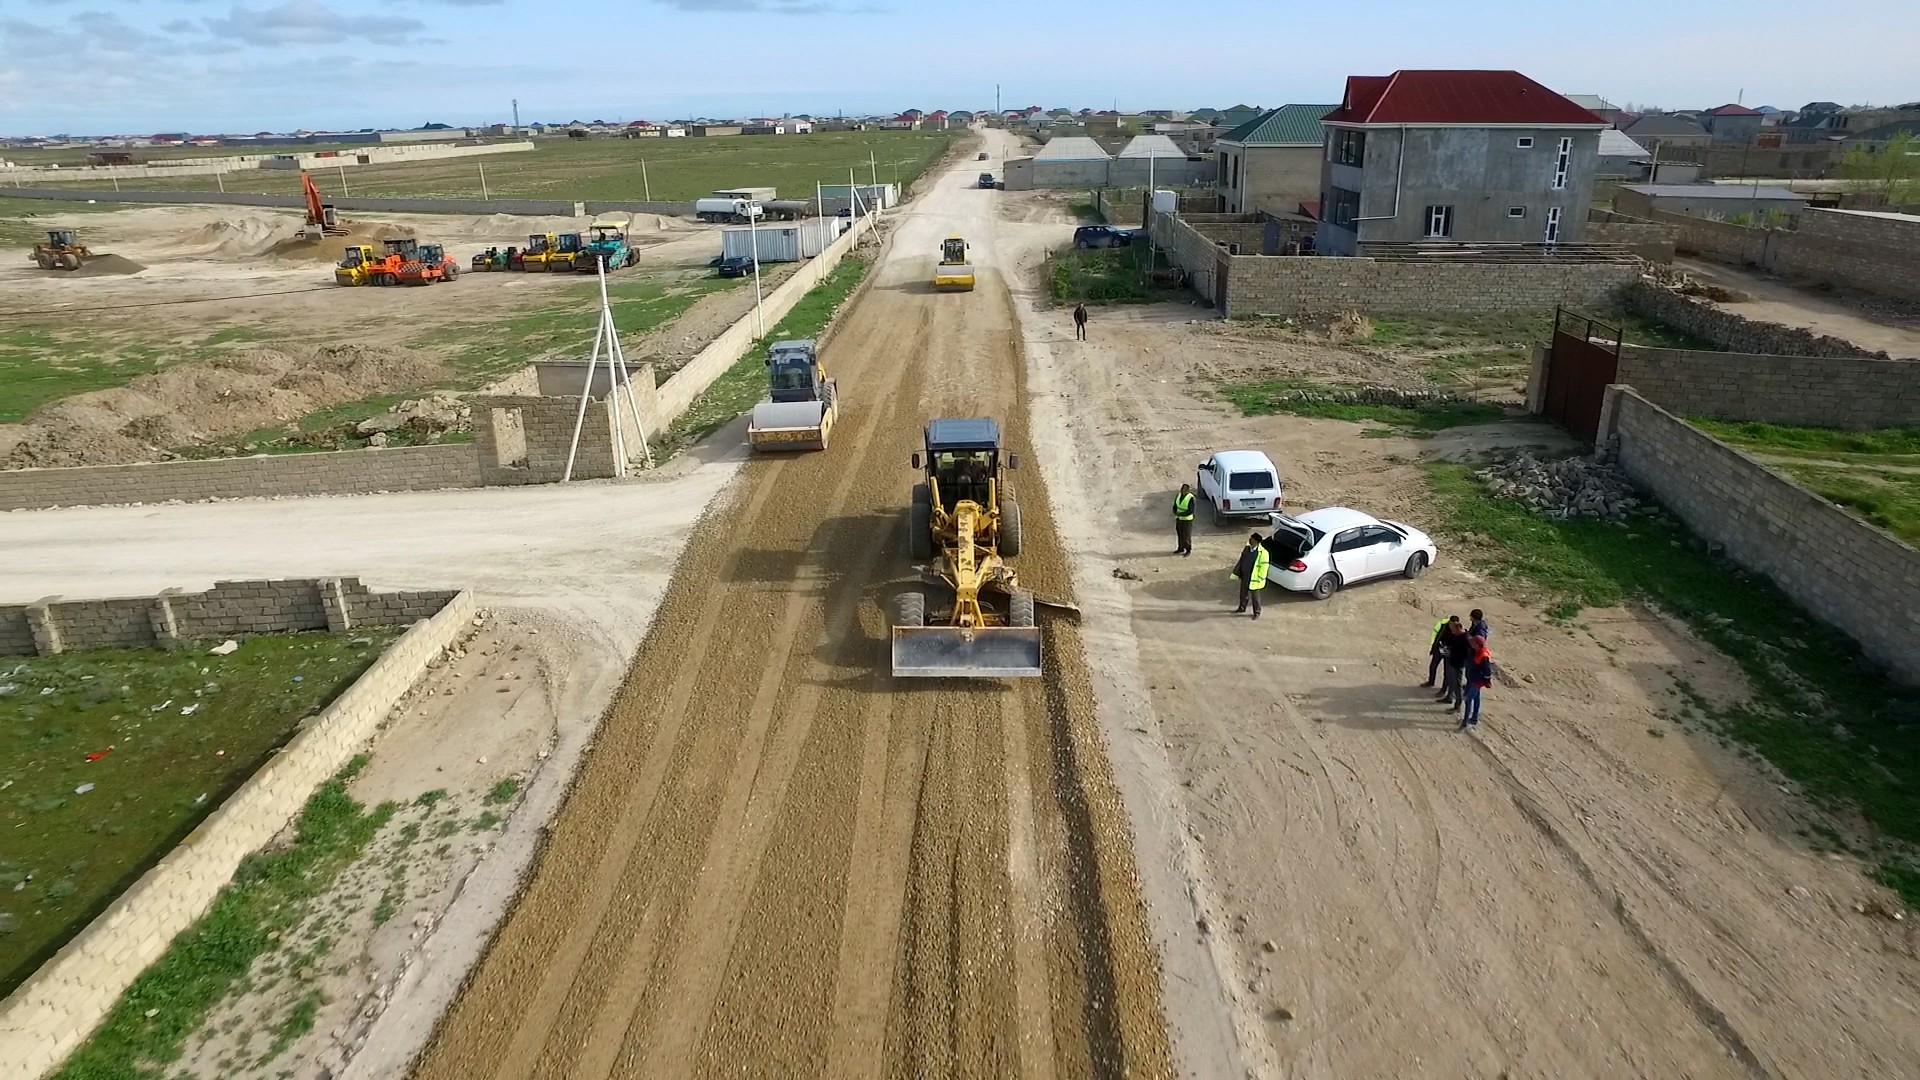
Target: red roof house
[[1450, 98]]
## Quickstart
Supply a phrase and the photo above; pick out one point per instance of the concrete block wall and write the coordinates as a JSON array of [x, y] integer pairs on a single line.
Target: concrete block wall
[[344, 472], [1812, 391], [1651, 240], [1204, 261], [60, 1005], [1880, 255], [526, 207], [1300, 285], [1862, 580], [229, 609], [546, 438], [1732, 332]]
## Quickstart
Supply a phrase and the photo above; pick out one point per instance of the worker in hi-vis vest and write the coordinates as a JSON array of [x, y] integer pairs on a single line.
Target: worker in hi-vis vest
[[1183, 521], [1252, 572]]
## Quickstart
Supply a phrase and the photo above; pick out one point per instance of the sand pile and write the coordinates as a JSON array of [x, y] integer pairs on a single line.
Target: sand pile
[[197, 403], [236, 237], [107, 266], [333, 248]]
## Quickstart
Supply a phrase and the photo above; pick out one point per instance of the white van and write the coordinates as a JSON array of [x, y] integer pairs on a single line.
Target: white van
[[1239, 483]]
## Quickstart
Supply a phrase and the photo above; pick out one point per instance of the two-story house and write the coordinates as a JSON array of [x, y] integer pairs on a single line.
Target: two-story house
[[1460, 156], [1271, 162]]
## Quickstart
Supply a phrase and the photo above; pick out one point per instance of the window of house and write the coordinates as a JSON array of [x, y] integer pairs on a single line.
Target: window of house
[[1562, 163], [1349, 147], [1516, 211], [1342, 207], [1553, 224], [1439, 222], [1525, 142]]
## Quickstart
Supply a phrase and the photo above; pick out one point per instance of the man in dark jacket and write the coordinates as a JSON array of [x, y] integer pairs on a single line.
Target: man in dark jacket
[[1478, 626], [1479, 676], [1458, 651]]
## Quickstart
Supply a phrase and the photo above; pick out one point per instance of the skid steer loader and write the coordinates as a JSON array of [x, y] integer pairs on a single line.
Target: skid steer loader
[[968, 616]]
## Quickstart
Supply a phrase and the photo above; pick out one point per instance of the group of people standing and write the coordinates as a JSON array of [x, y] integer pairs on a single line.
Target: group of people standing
[[1459, 652]]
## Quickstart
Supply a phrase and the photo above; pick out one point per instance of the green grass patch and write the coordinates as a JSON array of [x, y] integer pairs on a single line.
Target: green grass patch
[[1267, 397], [298, 1021], [39, 364], [1875, 474], [741, 386], [503, 792], [609, 168], [1100, 275], [1818, 712], [1890, 500], [68, 854], [270, 895], [1895, 444], [1455, 349]]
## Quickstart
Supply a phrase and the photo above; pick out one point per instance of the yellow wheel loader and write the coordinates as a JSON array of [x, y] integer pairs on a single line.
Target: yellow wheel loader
[[802, 402], [953, 272], [967, 617], [61, 251]]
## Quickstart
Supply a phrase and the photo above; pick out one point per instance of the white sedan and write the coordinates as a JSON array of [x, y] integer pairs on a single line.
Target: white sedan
[[1322, 550]]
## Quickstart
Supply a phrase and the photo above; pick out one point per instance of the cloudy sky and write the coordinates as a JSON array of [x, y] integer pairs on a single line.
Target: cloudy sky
[[220, 66]]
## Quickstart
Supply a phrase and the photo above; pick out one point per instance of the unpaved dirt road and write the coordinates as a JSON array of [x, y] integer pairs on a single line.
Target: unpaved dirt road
[[1770, 299], [780, 862], [1582, 888]]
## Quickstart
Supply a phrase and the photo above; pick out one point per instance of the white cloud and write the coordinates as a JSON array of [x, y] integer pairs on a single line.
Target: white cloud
[[311, 24]]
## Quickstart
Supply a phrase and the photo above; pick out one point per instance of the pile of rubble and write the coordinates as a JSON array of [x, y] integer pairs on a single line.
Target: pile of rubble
[[1371, 395], [421, 420], [1563, 487]]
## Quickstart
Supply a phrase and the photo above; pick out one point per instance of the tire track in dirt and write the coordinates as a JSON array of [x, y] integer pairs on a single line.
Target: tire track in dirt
[[828, 881]]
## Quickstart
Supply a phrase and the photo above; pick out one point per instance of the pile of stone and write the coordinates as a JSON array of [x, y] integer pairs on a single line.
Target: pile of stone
[[1572, 487], [421, 420]]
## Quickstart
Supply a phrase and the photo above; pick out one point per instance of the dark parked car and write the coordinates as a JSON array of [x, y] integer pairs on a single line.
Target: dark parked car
[[738, 266], [983, 156], [1101, 236], [986, 180]]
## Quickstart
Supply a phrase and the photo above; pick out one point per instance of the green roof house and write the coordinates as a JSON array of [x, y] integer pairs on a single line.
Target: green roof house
[[1271, 161]]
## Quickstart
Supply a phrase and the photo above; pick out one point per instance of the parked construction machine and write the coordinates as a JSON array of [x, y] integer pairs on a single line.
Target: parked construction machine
[[321, 220], [552, 251], [954, 272], [802, 402], [424, 264], [406, 261], [607, 245], [963, 524], [494, 259], [62, 251]]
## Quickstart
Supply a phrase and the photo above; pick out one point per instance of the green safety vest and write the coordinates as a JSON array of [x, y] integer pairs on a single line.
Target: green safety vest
[[1258, 579], [1183, 508]]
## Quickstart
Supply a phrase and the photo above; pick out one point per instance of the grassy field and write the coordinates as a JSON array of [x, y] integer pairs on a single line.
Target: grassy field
[[1817, 712], [1475, 350], [20, 223], [1266, 398], [741, 386], [1104, 276], [179, 731], [269, 896], [609, 169], [1874, 474]]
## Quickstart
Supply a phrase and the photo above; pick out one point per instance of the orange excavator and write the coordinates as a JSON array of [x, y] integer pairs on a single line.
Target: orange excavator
[[321, 221]]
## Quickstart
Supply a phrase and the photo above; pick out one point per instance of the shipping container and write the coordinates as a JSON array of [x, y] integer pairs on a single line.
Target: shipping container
[[781, 241]]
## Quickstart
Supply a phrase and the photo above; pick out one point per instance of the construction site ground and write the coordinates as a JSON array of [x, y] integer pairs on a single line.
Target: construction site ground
[[1251, 848], [1873, 324], [212, 345]]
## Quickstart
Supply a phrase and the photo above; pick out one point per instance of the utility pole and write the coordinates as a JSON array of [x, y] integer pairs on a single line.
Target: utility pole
[[483, 182], [644, 183], [753, 237], [516, 116], [996, 98]]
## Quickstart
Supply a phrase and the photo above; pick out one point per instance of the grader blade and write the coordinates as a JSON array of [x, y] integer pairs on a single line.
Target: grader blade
[[952, 652]]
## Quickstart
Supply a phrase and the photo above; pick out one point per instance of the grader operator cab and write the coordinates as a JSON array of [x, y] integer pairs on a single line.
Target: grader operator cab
[[954, 272], [968, 616]]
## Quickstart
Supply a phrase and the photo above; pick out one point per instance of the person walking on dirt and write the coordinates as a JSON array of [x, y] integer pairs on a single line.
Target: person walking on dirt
[[1183, 521], [1437, 648], [1080, 322], [1252, 572], [1479, 676], [1458, 652]]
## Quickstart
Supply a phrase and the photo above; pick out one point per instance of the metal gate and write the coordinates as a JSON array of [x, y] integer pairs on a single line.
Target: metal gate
[[1585, 358]]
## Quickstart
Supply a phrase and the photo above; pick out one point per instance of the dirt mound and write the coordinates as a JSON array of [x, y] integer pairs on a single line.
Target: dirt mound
[[333, 248], [199, 402], [108, 265], [236, 237]]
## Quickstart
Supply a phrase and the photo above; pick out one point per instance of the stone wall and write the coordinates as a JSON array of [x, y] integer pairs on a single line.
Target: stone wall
[[1871, 252], [395, 205], [1860, 579], [60, 1005], [344, 472], [229, 609], [1204, 261], [1651, 240], [1810, 391], [1731, 332], [1305, 285]]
